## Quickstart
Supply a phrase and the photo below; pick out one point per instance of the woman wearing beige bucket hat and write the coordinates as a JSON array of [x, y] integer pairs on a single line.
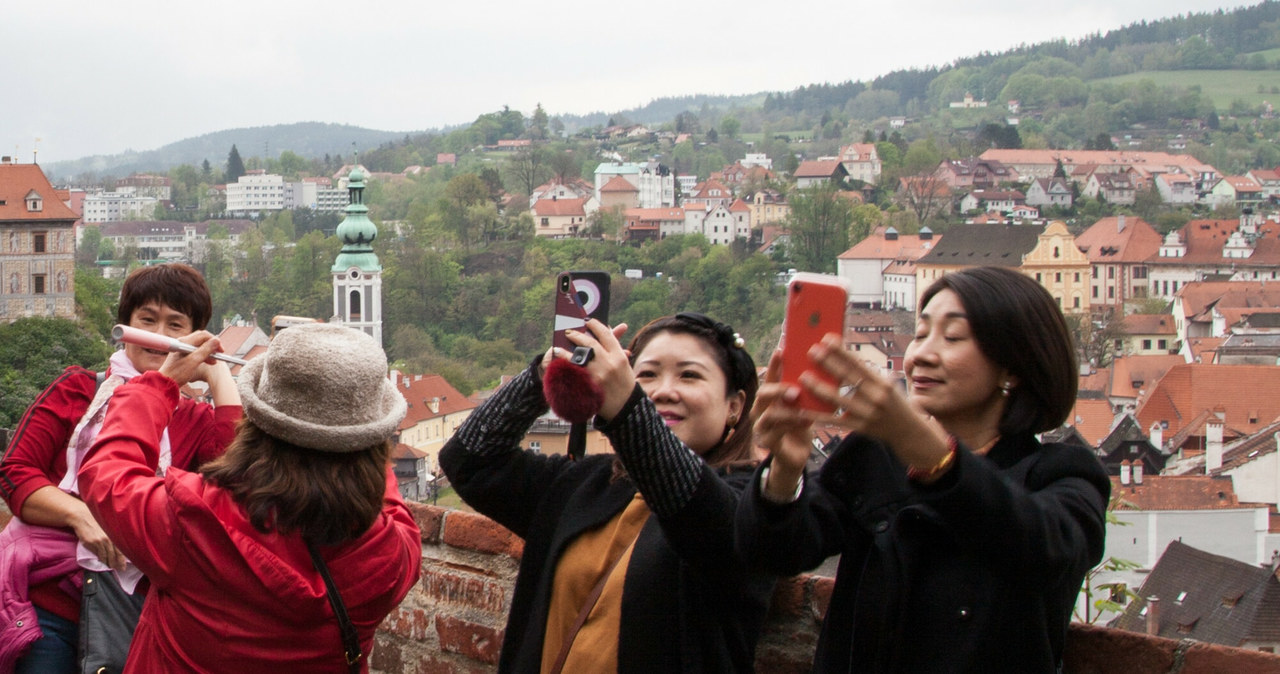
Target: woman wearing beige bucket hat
[[287, 552]]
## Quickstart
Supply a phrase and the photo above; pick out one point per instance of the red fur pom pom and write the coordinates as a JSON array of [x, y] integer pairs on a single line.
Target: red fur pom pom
[[573, 395]]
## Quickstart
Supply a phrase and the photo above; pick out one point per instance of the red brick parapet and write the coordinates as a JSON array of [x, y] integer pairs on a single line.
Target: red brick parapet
[[451, 622]]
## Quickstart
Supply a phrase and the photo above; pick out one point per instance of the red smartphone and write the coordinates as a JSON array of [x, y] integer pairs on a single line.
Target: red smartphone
[[580, 295], [816, 306]]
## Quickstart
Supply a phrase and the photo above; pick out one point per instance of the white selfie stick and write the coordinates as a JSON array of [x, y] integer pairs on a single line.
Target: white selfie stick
[[151, 340]]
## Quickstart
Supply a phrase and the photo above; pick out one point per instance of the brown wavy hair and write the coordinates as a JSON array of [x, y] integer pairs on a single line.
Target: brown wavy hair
[[327, 497]]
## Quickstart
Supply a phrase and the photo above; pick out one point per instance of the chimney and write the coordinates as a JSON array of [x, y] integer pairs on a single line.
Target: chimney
[[1153, 615], [1212, 445], [1137, 472], [1125, 467], [1120, 223], [1157, 436]]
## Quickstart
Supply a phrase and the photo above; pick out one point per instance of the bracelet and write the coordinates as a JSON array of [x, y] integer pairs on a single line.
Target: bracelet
[[928, 475], [764, 493]]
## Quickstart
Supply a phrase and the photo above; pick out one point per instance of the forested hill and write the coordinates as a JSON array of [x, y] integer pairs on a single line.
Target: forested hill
[[308, 139], [1222, 39], [1054, 78]]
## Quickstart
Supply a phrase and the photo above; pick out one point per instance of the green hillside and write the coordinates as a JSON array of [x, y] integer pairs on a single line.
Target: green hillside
[[1220, 86]]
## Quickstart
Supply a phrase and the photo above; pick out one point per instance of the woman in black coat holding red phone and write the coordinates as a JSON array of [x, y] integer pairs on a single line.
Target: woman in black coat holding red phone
[[628, 561], [963, 539]]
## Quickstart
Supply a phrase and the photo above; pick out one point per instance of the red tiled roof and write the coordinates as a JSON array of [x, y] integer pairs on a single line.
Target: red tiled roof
[[403, 451], [1198, 296], [420, 391], [817, 169], [1098, 381], [1175, 492], [19, 180], [1092, 419], [1243, 184], [1202, 349], [739, 205], [232, 337], [877, 247], [1119, 239], [554, 207], [1247, 394], [1147, 370], [619, 184], [1149, 324]]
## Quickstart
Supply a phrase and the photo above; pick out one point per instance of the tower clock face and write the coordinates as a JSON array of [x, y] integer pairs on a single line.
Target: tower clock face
[[354, 273]]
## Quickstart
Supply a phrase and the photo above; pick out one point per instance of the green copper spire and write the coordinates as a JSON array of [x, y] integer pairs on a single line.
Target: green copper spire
[[357, 231]]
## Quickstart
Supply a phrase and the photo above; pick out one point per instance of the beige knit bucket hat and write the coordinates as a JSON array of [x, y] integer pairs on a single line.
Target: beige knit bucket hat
[[322, 386]]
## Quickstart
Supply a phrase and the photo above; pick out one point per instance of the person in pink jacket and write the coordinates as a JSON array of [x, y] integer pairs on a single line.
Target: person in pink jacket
[[229, 550]]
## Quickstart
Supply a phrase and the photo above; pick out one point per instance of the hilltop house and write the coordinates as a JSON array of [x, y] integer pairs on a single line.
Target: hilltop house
[[1049, 192], [816, 172], [861, 161]]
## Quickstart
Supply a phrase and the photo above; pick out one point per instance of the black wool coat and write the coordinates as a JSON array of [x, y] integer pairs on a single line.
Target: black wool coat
[[689, 604], [978, 572]]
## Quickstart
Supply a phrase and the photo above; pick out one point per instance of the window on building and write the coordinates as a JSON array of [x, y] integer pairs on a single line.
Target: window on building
[[1077, 277], [545, 222], [1095, 292], [38, 242], [1139, 272], [1038, 279], [1162, 344], [1111, 292], [1146, 345], [1057, 277], [1111, 272], [1075, 302], [37, 284]]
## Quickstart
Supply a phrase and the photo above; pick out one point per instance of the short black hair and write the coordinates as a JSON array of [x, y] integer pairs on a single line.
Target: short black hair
[[1020, 327], [175, 285]]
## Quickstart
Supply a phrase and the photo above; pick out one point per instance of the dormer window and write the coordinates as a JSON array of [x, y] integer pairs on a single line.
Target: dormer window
[[35, 203]]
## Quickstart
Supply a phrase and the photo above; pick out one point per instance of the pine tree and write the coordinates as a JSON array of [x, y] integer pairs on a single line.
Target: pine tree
[[235, 166]]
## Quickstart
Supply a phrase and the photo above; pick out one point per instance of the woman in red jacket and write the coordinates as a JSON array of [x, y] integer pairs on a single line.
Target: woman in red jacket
[[237, 554], [41, 609]]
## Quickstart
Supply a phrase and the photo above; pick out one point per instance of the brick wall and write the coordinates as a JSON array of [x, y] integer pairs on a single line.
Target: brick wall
[[451, 621]]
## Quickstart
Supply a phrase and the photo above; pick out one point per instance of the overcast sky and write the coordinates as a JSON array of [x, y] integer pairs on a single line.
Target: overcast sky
[[89, 77]]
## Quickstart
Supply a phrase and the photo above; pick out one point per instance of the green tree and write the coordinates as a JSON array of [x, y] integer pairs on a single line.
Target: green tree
[[819, 226], [235, 165], [89, 246], [538, 124], [95, 300], [527, 168], [33, 351], [729, 127]]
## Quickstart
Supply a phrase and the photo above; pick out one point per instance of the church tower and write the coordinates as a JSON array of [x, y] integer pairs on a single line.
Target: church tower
[[357, 275]]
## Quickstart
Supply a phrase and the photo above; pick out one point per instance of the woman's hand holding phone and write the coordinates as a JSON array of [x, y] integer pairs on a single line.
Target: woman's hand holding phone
[[816, 306]]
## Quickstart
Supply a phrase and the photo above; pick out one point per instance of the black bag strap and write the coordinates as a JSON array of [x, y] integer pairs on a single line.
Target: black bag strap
[[350, 641]]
